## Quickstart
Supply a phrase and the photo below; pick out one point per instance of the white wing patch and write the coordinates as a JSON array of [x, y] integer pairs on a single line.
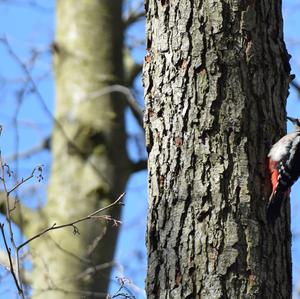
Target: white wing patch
[[281, 148]]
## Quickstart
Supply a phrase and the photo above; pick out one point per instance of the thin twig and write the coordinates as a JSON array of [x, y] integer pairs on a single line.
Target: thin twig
[[33, 84], [45, 144], [120, 293], [8, 250], [133, 17], [133, 71], [134, 14], [81, 293], [16, 274], [73, 223], [21, 182], [31, 4], [140, 165], [88, 272], [94, 269], [39, 96], [95, 243], [296, 86], [132, 103], [71, 254]]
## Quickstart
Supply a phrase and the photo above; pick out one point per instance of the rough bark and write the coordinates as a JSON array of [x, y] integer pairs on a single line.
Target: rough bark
[[216, 80], [90, 164]]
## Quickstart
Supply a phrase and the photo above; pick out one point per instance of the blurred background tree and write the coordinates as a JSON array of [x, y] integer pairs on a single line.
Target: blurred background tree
[[94, 74], [90, 165]]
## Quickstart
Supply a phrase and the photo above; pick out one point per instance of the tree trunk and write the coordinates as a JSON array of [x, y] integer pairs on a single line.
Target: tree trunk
[[90, 164], [216, 80]]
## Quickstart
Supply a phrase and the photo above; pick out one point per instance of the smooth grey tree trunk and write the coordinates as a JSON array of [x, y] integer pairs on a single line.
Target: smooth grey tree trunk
[[216, 78], [90, 163]]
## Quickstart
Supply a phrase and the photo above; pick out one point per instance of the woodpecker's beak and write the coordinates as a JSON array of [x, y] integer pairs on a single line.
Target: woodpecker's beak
[[293, 120]]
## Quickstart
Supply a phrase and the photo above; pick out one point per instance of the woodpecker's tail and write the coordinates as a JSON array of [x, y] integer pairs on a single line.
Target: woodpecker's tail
[[274, 205]]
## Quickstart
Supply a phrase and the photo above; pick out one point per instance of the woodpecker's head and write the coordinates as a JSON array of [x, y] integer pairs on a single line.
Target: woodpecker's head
[[295, 121]]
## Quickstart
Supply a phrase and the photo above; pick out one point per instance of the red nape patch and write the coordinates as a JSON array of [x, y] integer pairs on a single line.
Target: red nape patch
[[274, 173]]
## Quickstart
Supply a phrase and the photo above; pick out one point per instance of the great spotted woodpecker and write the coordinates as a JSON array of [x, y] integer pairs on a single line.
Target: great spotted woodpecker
[[284, 166]]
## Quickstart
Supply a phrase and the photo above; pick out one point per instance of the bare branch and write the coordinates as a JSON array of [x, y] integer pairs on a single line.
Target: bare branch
[[133, 17], [45, 144], [33, 85], [5, 170], [89, 271], [133, 70], [120, 292], [91, 248], [71, 254], [132, 103], [83, 294], [12, 271], [73, 223], [135, 13], [94, 269], [31, 3], [23, 181], [131, 67], [20, 216], [296, 86], [140, 165], [16, 275], [44, 106]]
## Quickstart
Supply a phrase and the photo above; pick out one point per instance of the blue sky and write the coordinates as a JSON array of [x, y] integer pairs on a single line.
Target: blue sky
[[291, 14], [30, 28]]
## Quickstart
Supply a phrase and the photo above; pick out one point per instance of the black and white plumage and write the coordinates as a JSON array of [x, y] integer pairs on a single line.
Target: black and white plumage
[[284, 166]]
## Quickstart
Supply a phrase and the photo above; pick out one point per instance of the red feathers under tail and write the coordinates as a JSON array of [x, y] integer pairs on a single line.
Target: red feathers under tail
[[277, 197], [274, 174]]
